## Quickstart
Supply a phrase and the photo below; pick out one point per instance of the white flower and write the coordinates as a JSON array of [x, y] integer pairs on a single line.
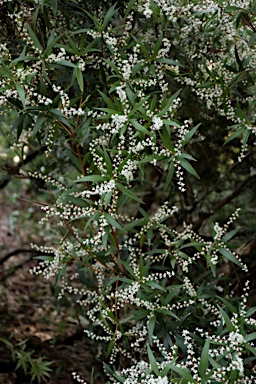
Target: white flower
[[236, 338], [117, 122], [158, 380], [121, 93], [128, 169], [239, 365], [157, 122], [126, 69], [147, 13]]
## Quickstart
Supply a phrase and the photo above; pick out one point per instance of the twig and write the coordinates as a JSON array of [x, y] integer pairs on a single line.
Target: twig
[[223, 202]]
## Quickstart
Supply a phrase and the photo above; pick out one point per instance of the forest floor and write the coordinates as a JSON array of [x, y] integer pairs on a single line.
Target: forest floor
[[30, 313]]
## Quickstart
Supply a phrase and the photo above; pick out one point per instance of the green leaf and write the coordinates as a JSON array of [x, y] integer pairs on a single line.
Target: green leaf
[[165, 137], [50, 44], [110, 347], [230, 234], [21, 94], [113, 66], [168, 61], [250, 312], [186, 165], [129, 7], [171, 295], [18, 124], [158, 45], [233, 8], [228, 304], [250, 337], [227, 320], [34, 38], [128, 192], [58, 115], [234, 135], [152, 361], [92, 178], [108, 162], [112, 373], [5, 71], [155, 285], [172, 123], [183, 372], [75, 161], [168, 313], [54, 4], [7, 343], [66, 63], [44, 258], [79, 77], [245, 135], [137, 106], [110, 13], [38, 124], [253, 350], [169, 175], [252, 40], [190, 134], [111, 220], [108, 110], [136, 68], [139, 127], [151, 327], [169, 104], [226, 253], [128, 268], [130, 95], [203, 365], [139, 222], [107, 100], [240, 113], [92, 376], [23, 121]]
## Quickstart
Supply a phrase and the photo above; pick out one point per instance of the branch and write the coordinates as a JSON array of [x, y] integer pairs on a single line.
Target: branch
[[21, 250], [14, 169], [223, 202], [248, 247]]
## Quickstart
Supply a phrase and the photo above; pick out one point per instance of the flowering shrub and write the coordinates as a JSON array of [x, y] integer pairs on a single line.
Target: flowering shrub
[[124, 98]]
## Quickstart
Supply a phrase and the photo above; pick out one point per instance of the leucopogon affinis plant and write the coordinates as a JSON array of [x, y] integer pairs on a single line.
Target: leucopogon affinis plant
[[104, 90]]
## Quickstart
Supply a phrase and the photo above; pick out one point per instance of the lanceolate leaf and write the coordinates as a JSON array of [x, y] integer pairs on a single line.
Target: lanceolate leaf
[[226, 253], [186, 165], [128, 192], [111, 220], [153, 361], [93, 178], [21, 93], [227, 320], [204, 359], [34, 38]]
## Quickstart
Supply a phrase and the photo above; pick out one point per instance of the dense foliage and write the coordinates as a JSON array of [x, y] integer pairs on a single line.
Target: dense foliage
[[116, 103]]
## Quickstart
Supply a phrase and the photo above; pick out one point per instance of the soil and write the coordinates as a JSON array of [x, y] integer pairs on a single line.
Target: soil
[[29, 309]]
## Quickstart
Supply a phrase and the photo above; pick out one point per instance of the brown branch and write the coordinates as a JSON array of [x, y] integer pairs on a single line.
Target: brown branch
[[248, 247], [223, 202], [12, 170], [21, 250]]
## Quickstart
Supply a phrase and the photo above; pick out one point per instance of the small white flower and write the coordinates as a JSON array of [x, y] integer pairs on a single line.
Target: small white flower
[[147, 13], [236, 338], [157, 122]]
